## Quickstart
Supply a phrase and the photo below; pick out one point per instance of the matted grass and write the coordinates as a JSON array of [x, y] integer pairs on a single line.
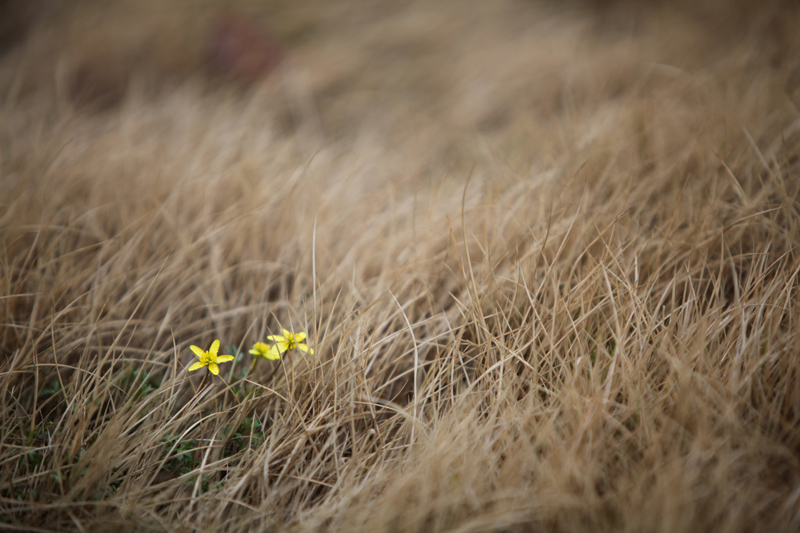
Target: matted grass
[[547, 258]]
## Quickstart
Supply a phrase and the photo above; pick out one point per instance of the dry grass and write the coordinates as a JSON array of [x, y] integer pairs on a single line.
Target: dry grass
[[547, 257]]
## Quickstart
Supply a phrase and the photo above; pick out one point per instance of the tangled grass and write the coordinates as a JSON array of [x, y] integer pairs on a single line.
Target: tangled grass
[[547, 259]]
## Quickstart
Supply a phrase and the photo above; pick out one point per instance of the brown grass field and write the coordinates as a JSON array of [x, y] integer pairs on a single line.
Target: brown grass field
[[547, 255]]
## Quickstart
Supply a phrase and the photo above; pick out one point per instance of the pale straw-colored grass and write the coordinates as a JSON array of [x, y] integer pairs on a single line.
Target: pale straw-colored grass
[[547, 258]]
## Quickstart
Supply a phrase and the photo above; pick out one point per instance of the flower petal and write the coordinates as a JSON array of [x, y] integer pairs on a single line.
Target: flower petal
[[213, 368], [225, 358], [214, 347], [273, 354], [275, 338], [300, 337], [254, 352], [197, 366], [199, 352], [282, 346], [302, 347], [286, 333]]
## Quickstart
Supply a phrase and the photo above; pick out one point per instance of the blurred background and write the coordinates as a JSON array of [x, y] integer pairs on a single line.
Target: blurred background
[[475, 64]]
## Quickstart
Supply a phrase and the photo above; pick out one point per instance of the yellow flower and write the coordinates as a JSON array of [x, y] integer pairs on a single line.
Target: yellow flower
[[209, 358], [267, 352], [289, 341]]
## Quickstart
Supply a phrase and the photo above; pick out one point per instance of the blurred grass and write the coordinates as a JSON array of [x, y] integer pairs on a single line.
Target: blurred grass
[[546, 254]]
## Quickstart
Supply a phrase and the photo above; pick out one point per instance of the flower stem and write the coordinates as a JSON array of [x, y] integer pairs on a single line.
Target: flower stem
[[274, 370], [205, 380]]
